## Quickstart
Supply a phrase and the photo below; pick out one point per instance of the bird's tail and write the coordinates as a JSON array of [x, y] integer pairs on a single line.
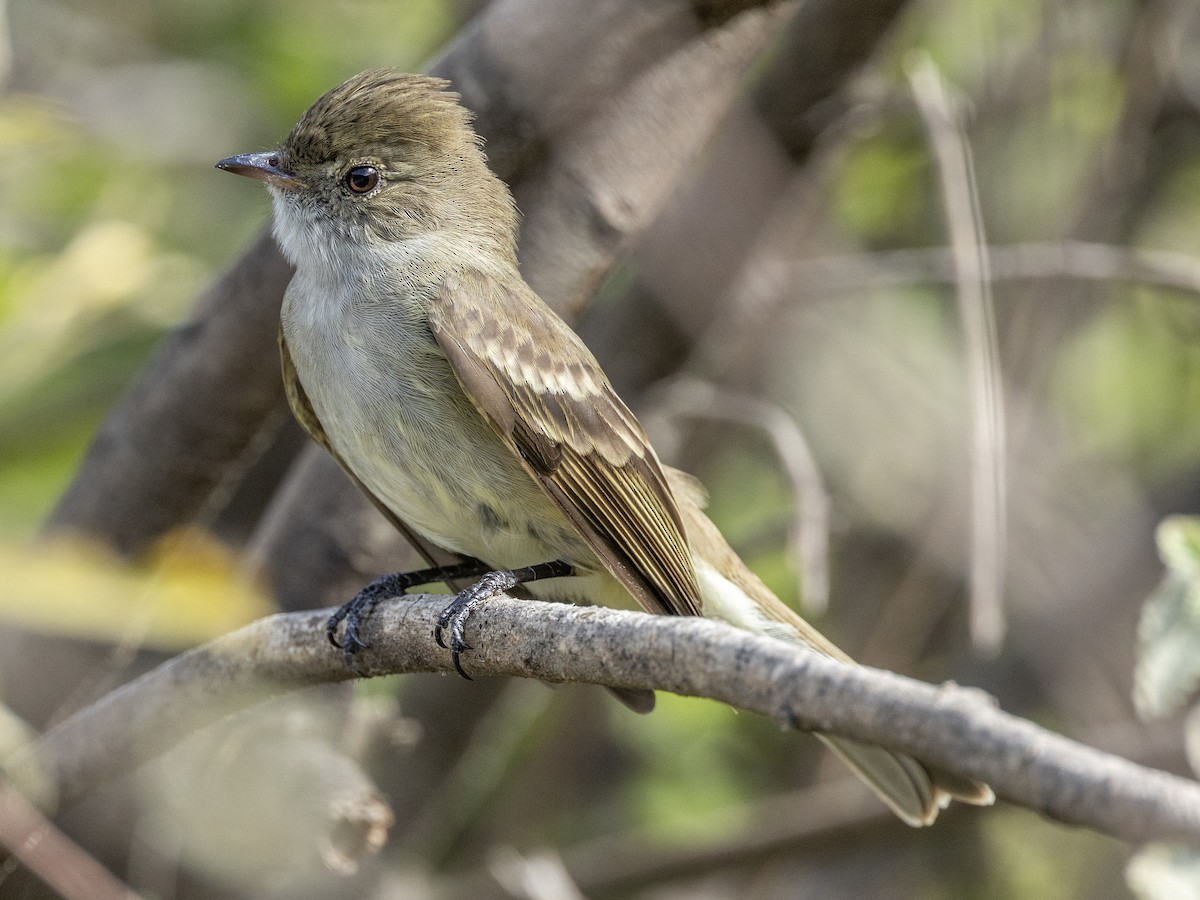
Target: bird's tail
[[730, 591]]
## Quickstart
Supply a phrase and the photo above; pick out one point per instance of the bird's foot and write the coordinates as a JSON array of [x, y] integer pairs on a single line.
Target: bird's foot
[[358, 610], [454, 617]]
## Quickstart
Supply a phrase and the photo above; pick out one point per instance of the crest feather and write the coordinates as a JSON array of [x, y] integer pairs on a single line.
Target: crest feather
[[380, 108]]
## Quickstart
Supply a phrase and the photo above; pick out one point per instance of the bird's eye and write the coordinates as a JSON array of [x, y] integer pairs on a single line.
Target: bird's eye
[[362, 179]]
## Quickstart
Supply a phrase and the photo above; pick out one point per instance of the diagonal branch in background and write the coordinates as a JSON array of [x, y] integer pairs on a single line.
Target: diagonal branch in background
[[191, 416], [951, 727], [717, 229], [608, 179], [57, 860]]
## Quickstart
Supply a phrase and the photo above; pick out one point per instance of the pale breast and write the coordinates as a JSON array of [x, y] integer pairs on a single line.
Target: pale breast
[[395, 413]]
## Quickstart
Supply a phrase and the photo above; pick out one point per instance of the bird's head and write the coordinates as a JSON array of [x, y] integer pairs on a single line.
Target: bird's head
[[383, 157]]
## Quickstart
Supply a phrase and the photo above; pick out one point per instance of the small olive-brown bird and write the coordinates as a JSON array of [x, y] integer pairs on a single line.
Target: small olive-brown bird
[[416, 354]]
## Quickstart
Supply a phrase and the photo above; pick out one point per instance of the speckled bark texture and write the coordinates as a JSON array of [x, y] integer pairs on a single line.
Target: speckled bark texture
[[953, 727]]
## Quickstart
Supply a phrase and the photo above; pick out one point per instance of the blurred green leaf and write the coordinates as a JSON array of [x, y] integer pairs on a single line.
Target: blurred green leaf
[[687, 785], [1168, 663], [189, 589], [883, 193], [1130, 382], [1164, 872]]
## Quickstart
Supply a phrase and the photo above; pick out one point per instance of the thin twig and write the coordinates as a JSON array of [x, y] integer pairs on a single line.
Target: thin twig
[[643, 857], [809, 532], [978, 315], [57, 860], [539, 876], [478, 772], [949, 727], [1032, 261]]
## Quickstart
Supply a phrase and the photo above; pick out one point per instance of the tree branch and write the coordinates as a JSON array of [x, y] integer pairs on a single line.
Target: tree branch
[[948, 726]]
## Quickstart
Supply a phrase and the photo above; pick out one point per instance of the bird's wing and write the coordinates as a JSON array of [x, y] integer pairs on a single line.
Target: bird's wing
[[539, 386], [307, 417]]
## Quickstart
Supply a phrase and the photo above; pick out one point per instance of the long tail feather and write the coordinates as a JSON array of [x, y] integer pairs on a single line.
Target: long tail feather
[[730, 591]]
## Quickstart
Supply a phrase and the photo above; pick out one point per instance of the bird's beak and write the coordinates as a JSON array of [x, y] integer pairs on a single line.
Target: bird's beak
[[264, 167]]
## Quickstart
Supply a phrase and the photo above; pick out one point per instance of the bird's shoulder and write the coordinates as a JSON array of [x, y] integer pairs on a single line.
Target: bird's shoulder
[[496, 329]]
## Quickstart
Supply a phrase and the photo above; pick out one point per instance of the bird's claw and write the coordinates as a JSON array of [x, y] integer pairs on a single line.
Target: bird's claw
[[454, 619], [356, 612], [345, 613]]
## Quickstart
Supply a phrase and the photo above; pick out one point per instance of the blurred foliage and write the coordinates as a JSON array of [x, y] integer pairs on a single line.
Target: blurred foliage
[[1162, 872], [753, 501], [1168, 666], [112, 217], [189, 590], [1167, 675], [1131, 382], [884, 194], [686, 788], [1036, 859]]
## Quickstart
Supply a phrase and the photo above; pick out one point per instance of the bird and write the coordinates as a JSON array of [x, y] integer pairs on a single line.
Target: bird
[[470, 413]]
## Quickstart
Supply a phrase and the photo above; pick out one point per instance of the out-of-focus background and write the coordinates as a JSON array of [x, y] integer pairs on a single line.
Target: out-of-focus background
[[113, 218], [966, 481]]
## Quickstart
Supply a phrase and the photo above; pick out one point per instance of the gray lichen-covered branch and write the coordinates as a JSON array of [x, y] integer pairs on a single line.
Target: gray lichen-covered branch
[[953, 727]]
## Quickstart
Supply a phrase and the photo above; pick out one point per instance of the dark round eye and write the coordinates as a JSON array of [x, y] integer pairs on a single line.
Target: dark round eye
[[362, 179]]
